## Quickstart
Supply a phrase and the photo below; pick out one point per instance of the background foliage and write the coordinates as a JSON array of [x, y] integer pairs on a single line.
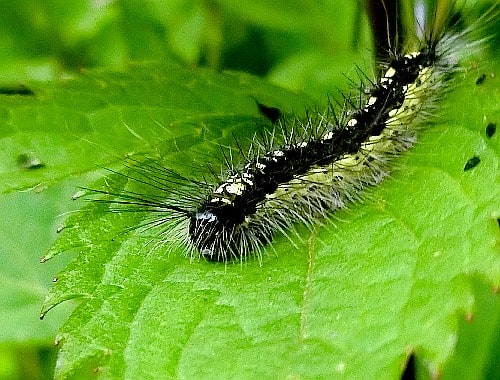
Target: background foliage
[[128, 104]]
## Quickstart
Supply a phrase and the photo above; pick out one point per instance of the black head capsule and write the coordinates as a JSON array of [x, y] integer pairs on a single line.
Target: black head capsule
[[213, 231]]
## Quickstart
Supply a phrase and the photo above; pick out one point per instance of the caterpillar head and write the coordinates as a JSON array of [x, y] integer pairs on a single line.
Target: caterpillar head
[[212, 231]]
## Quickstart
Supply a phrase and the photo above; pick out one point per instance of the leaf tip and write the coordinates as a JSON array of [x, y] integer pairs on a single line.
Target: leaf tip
[[50, 254]]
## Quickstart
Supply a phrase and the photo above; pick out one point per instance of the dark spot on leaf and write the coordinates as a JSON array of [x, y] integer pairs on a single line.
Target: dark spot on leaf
[[272, 113], [29, 161], [498, 222], [472, 163], [481, 79], [409, 372], [469, 317], [19, 89], [491, 128]]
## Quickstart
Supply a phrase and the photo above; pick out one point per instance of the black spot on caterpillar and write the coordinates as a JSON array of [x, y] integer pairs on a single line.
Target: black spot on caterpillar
[[306, 167], [19, 89], [491, 128], [472, 163], [480, 79]]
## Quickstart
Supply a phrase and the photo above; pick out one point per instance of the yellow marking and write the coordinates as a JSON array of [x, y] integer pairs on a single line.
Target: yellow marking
[[375, 138], [318, 170], [246, 179], [384, 80], [413, 54], [352, 122], [235, 188], [351, 161], [390, 72], [393, 112], [328, 136], [223, 200]]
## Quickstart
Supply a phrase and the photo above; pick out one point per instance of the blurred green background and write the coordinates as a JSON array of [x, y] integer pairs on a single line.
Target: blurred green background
[[302, 45], [284, 41]]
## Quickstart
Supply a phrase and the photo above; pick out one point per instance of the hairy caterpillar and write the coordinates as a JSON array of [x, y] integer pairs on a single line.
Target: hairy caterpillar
[[306, 167]]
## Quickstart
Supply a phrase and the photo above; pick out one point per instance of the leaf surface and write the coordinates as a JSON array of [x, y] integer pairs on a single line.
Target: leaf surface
[[355, 297]]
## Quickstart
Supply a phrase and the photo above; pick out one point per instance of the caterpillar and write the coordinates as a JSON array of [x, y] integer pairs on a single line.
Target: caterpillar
[[305, 167]]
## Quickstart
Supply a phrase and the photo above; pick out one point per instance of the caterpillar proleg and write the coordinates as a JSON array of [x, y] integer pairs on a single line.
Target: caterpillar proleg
[[306, 167]]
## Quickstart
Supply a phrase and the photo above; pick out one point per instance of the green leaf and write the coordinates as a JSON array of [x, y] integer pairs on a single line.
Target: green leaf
[[478, 345], [95, 119], [354, 298]]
